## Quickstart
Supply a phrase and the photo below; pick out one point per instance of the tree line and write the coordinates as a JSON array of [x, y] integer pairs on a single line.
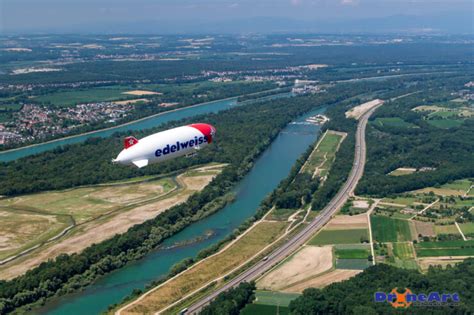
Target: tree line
[[233, 145]]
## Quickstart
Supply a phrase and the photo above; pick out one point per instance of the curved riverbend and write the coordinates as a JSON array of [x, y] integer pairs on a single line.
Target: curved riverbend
[[272, 167]]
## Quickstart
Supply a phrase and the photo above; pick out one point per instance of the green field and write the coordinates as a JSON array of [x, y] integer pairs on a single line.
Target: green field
[[446, 248], [352, 253], [445, 123], [461, 184], [70, 98], [393, 122], [323, 155], [445, 252], [386, 229], [445, 244], [274, 298], [403, 200], [403, 256], [403, 250], [260, 309], [327, 237], [467, 228], [357, 264], [446, 229]]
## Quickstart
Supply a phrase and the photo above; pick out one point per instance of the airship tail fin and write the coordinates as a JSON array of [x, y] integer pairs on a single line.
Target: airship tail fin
[[129, 141], [140, 163]]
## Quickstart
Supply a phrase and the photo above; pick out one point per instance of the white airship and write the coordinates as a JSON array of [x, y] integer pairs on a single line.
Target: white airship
[[165, 145]]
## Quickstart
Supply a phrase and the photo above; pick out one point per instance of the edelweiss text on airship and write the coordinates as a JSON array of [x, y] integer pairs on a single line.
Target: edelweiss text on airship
[[165, 145]]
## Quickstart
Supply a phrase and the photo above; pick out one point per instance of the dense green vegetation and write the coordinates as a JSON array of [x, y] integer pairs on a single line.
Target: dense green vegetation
[[232, 301], [233, 145], [388, 229], [356, 295], [390, 146]]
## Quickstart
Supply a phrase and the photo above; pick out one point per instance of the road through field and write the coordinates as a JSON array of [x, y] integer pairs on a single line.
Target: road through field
[[299, 239]]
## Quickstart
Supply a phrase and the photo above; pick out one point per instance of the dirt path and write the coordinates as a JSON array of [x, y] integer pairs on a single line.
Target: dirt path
[[425, 208], [98, 231], [460, 231], [372, 252]]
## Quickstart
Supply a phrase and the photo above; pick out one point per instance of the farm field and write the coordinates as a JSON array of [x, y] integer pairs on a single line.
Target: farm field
[[446, 229], [264, 309], [356, 253], [386, 229], [446, 248], [393, 122], [307, 263], [326, 237], [455, 188], [274, 297], [207, 270], [467, 228], [353, 264]]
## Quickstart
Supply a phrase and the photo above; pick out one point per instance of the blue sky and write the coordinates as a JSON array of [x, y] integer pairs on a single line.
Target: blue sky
[[104, 15]]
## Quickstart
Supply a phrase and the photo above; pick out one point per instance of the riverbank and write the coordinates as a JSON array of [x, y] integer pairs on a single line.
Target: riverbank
[[265, 175], [225, 103]]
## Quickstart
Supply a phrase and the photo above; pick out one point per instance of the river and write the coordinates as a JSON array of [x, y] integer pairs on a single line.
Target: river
[[141, 124], [270, 168]]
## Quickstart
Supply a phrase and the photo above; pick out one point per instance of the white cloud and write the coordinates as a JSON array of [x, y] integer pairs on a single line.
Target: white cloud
[[349, 2]]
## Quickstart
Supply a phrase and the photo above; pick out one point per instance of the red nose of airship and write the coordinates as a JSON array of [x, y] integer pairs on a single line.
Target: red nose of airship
[[207, 130]]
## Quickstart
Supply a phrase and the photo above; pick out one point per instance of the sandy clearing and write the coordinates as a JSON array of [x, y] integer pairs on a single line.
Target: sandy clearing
[[358, 111], [424, 228], [361, 204], [142, 92], [196, 182], [123, 195], [323, 280], [306, 263], [131, 101], [344, 222], [97, 231]]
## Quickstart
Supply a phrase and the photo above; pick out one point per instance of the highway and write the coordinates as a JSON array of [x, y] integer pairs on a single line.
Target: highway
[[304, 235]]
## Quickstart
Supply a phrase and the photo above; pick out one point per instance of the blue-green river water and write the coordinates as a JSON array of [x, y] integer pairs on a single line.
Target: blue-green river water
[[271, 167]]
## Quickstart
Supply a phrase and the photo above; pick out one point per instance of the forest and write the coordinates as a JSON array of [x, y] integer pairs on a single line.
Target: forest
[[233, 145], [232, 301], [356, 295], [416, 144]]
